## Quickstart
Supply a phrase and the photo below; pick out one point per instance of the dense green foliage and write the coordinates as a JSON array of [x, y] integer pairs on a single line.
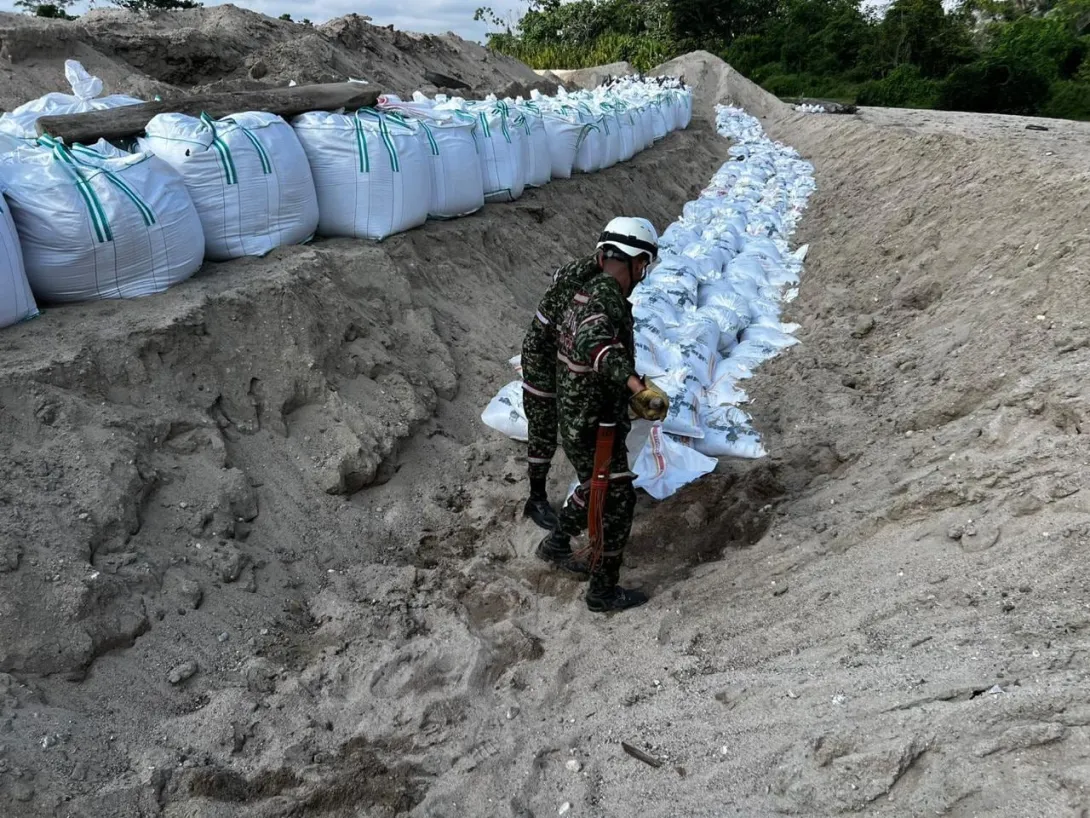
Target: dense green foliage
[[1003, 56]]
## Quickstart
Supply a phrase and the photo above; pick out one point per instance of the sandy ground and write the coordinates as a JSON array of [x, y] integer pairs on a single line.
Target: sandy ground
[[260, 558]]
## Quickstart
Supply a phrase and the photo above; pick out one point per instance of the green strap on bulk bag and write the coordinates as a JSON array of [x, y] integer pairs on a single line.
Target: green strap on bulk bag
[[141, 206], [384, 132], [361, 146], [94, 207], [262, 154], [221, 149], [431, 139]]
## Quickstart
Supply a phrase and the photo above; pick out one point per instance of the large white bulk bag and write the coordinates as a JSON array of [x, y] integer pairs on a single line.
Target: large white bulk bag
[[100, 223], [371, 173], [540, 168], [565, 132], [502, 157], [592, 147], [628, 131], [247, 175], [457, 184], [658, 119], [84, 97], [16, 299]]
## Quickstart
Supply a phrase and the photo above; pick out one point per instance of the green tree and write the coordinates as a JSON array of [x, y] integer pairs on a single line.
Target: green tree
[[52, 9], [921, 33], [716, 23], [286, 17]]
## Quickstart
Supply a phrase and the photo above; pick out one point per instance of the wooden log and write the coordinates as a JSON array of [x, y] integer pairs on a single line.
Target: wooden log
[[127, 121]]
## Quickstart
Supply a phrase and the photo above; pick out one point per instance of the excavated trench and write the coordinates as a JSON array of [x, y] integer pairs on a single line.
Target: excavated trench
[[269, 489]]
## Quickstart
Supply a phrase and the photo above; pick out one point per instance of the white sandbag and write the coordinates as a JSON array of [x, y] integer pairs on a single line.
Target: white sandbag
[[730, 324], [683, 418], [16, 299], [774, 337], [650, 299], [371, 173], [502, 158], [505, 414], [678, 285], [698, 342], [565, 132], [656, 356], [99, 223], [752, 353], [539, 170], [665, 465], [247, 175], [728, 432], [723, 390], [20, 122], [457, 182]]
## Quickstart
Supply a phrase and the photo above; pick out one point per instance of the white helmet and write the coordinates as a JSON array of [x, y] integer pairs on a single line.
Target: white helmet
[[632, 236]]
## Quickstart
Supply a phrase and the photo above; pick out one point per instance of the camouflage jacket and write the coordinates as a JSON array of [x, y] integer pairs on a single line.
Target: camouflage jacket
[[539, 346], [596, 354]]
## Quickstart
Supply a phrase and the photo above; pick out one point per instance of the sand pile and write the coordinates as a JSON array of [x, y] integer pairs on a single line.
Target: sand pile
[[203, 614], [225, 47]]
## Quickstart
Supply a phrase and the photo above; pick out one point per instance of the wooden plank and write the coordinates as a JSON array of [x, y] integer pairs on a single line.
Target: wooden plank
[[119, 123]]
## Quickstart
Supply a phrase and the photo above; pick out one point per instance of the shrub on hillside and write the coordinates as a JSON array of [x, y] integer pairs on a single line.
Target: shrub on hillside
[[994, 85], [1069, 100], [903, 87]]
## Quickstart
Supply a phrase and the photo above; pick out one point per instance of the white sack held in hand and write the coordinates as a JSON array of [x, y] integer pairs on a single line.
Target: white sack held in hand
[[84, 97], [505, 414], [100, 223], [370, 171], [16, 300], [247, 175], [665, 465]]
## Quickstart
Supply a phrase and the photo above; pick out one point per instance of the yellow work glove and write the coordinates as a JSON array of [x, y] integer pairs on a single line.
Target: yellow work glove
[[650, 403]]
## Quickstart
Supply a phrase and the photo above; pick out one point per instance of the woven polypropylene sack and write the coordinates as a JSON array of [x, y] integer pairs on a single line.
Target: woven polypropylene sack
[[565, 132], [457, 184], [502, 153], [99, 223], [16, 299], [248, 176], [21, 121], [539, 170], [371, 173]]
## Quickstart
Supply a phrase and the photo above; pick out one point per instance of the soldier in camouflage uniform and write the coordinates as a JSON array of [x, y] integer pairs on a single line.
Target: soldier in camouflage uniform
[[596, 384], [539, 383]]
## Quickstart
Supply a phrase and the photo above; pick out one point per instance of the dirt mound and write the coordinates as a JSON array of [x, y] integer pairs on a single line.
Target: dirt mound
[[260, 558], [592, 77], [716, 82], [225, 47]]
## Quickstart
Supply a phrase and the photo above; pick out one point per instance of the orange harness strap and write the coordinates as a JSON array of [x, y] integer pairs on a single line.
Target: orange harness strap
[[599, 487]]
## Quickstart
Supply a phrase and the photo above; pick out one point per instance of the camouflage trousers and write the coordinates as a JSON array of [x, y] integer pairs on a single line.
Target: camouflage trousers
[[539, 399], [620, 502]]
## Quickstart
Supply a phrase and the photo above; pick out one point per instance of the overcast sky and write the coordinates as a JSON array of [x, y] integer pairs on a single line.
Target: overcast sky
[[434, 16]]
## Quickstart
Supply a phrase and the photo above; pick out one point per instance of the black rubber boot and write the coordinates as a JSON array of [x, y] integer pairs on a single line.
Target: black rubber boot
[[540, 510], [614, 599], [556, 550]]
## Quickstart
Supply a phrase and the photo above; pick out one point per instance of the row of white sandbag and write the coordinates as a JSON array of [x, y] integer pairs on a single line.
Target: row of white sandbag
[[99, 223], [708, 314]]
